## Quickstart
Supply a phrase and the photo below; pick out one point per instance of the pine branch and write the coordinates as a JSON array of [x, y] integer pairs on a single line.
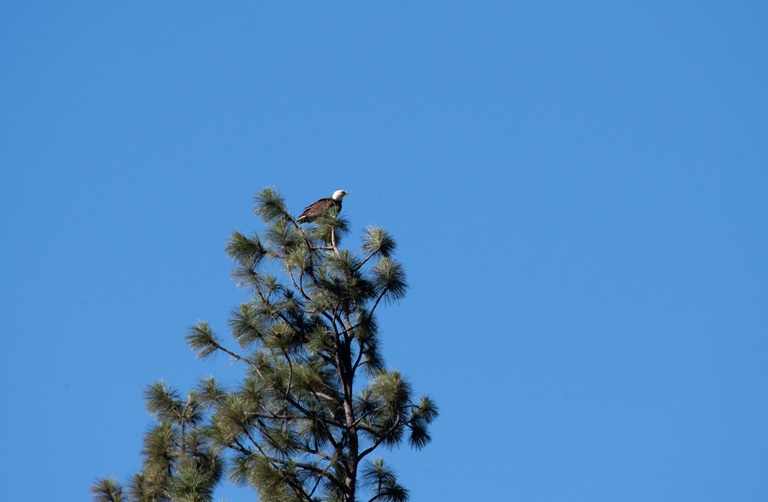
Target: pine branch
[[377, 241], [360, 352], [247, 251], [163, 401], [107, 490], [300, 288], [333, 241], [279, 465], [387, 488], [288, 397], [382, 437], [270, 205], [202, 340], [390, 278]]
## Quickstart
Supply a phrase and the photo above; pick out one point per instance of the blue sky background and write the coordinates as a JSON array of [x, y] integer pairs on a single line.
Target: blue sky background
[[578, 191]]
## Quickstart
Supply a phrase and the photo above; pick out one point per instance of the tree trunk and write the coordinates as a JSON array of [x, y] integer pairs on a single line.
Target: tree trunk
[[344, 361]]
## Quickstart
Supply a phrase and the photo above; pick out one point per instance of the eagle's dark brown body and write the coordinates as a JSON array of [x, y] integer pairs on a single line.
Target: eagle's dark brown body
[[321, 207]]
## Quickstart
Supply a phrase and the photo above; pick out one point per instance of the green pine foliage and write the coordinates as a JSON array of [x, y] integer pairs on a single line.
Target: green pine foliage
[[316, 400], [107, 490]]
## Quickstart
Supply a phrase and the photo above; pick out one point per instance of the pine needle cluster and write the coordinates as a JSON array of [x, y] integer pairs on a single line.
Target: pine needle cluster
[[316, 401]]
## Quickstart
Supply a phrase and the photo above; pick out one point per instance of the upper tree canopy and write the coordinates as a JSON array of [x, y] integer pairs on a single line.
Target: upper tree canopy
[[316, 401]]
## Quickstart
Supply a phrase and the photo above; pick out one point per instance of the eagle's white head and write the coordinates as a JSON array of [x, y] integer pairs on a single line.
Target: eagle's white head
[[339, 194]]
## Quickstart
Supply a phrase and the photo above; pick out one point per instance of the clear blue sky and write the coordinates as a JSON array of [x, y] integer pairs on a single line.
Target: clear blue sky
[[578, 190]]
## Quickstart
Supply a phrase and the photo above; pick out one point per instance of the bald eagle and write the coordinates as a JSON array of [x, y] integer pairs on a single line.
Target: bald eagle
[[320, 207]]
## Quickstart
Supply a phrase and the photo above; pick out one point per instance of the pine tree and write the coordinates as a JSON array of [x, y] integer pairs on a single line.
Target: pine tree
[[180, 461], [316, 401]]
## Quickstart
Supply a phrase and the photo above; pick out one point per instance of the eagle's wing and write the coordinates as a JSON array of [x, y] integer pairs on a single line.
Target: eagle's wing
[[315, 209]]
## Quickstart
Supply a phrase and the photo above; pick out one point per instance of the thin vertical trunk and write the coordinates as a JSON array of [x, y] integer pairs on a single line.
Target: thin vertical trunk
[[183, 440], [352, 458], [346, 373]]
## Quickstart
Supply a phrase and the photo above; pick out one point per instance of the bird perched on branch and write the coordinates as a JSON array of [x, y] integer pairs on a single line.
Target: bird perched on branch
[[319, 208]]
